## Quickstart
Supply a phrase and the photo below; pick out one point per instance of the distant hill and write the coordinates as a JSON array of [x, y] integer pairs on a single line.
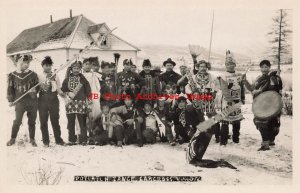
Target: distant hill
[[159, 53]]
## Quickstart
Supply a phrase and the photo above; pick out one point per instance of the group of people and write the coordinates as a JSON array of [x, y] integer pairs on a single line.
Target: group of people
[[106, 107]]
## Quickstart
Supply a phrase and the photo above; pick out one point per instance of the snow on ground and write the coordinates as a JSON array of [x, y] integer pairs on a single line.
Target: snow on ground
[[271, 167]]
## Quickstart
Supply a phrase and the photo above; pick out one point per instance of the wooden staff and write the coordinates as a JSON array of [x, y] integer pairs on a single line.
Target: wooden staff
[[211, 33], [84, 50], [117, 57]]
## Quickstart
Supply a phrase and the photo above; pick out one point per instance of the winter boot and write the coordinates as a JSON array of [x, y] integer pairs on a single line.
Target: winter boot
[[140, 143], [264, 146], [272, 143], [119, 144], [11, 142], [32, 142], [62, 143], [172, 143]]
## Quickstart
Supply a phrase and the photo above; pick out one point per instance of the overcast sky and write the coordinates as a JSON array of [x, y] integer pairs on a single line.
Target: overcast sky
[[241, 30]]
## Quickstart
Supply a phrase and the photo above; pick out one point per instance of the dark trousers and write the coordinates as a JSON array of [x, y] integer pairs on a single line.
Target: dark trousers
[[29, 106], [133, 133], [200, 143], [236, 125], [101, 137], [269, 129], [118, 133], [182, 132], [49, 106], [71, 127]]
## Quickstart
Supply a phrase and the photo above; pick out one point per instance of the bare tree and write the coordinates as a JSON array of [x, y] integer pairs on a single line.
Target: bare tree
[[280, 36]]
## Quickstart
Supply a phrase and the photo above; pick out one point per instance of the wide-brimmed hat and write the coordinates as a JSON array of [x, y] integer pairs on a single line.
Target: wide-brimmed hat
[[170, 61]]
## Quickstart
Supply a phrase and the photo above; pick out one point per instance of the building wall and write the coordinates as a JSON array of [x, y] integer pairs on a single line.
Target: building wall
[[60, 56], [108, 56]]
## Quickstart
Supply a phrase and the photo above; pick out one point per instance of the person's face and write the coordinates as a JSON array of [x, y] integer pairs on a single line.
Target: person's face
[[202, 68], [147, 108], [105, 70], [182, 104], [170, 88], [128, 102], [147, 69], [47, 68], [76, 70], [23, 65], [169, 67], [105, 109], [87, 67], [182, 89], [127, 67], [265, 69], [161, 103], [112, 70], [230, 66], [96, 68], [133, 69], [183, 70], [196, 101]]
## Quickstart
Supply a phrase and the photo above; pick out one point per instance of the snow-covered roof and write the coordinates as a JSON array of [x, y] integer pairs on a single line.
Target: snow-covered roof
[[65, 33]]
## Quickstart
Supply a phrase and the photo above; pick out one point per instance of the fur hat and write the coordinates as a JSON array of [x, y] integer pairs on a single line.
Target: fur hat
[[94, 61], [112, 65], [76, 64], [85, 60], [181, 98], [208, 65], [104, 64], [24, 58], [149, 102], [47, 60], [146, 63], [170, 61], [127, 62], [265, 62]]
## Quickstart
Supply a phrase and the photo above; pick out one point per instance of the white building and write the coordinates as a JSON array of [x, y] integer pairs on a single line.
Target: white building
[[64, 38]]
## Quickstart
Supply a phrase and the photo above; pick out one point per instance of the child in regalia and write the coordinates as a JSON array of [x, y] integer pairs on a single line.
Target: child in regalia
[[19, 82], [94, 99], [49, 103], [77, 90]]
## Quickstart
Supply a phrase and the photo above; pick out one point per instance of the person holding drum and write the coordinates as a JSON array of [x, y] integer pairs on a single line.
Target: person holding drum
[[267, 104]]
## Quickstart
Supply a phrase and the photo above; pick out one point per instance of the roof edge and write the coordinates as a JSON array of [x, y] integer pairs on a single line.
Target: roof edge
[[75, 30], [138, 49]]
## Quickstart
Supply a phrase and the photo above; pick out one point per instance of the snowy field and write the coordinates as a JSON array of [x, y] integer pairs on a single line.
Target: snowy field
[[253, 167]]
